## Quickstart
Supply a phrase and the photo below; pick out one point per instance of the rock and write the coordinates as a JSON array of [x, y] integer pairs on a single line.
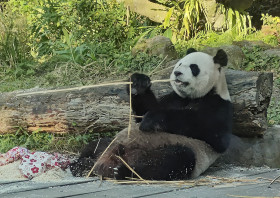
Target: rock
[[255, 151], [214, 13], [251, 44], [235, 54], [158, 45], [219, 23], [154, 11], [272, 52]]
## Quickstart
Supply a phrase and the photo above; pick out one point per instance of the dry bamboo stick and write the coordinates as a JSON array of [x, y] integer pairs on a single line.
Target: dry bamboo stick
[[274, 180], [130, 110], [200, 182], [84, 87]]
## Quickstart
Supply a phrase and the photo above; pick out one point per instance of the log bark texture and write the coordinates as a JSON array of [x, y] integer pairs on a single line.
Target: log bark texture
[[103, 109]]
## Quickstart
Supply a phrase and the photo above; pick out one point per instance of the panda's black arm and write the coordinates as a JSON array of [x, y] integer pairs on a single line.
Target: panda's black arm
[[143, 99], [142, 103]]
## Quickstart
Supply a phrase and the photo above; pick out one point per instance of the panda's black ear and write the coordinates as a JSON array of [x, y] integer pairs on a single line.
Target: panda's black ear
[[190, 50], [221, 58]]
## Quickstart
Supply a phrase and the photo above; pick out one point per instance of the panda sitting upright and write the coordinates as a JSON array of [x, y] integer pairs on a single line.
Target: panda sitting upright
[[182, 133]]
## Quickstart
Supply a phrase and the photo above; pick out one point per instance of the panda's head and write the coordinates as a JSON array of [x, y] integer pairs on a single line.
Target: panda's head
[[198, 73]]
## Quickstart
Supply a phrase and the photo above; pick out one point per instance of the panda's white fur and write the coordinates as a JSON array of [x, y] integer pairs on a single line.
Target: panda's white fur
[[211, 75]]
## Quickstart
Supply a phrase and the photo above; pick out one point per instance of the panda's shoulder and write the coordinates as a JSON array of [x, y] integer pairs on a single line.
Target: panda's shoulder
[[173, 97], [215, 100]]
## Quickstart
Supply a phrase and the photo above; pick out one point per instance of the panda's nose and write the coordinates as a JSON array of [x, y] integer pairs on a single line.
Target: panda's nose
[[177, 73]]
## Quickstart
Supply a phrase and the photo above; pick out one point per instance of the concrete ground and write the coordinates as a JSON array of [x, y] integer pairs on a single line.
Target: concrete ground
[[217, 182]]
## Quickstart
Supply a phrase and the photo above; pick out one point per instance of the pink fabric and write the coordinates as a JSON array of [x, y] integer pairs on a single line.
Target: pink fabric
[[33, 163]]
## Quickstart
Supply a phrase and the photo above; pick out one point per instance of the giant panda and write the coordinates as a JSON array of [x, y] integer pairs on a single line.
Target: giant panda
[[180, 134]]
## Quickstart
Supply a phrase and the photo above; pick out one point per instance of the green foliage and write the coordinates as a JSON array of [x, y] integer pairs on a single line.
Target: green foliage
[[14, 39], [273, 112], [186, 18], [240, 22], [216, 39], [256, 60], [23, 138], [270, 20], [83, 21], [48, 142]]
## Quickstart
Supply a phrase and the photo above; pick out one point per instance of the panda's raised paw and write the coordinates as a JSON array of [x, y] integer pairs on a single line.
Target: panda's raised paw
[[140, 83]]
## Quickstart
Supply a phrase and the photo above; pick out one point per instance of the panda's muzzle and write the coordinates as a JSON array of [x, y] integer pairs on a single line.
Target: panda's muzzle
[[181, 82]]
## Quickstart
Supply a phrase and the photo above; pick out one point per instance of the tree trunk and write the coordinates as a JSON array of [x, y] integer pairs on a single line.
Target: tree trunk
[[106, 108]]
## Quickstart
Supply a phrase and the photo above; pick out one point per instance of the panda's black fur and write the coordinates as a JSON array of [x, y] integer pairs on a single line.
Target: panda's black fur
[[180, 136]]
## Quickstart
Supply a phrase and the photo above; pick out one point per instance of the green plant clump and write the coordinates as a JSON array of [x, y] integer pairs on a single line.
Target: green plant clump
[[186, 18], [69, 143], [257, 60], [273, 112]]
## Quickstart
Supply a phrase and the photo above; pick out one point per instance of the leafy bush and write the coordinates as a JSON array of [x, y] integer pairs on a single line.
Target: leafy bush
[[84, 21], [14, 39], [273, 112], [256, 60], [186, 18]]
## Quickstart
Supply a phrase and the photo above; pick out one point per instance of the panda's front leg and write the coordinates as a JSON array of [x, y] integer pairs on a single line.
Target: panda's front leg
[[180, 122], [143, 99], [153, 121]]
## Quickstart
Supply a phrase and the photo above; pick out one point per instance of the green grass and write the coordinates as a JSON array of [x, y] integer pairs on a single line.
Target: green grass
[[216, 39], [273, 112], [59, 74], [71, 143]]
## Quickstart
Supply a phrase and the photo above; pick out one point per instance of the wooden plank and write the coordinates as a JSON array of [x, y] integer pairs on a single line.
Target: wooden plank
[[11, 182], [92, 189], [251, 191], [23, 187]]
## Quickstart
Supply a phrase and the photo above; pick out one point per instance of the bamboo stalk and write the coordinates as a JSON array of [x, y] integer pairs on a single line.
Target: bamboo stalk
[[130, 110], [274, 180], [85, 87], [213, 181]]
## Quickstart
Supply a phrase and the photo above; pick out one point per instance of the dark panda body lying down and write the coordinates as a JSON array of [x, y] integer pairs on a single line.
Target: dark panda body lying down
[[157, 156], [182, 133]]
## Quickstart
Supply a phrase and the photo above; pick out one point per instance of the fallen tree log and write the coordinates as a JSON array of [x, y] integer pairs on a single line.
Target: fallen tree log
[[106, 108]]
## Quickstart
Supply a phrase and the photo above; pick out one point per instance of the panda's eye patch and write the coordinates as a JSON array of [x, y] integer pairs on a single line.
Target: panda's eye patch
[[195, 69]]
